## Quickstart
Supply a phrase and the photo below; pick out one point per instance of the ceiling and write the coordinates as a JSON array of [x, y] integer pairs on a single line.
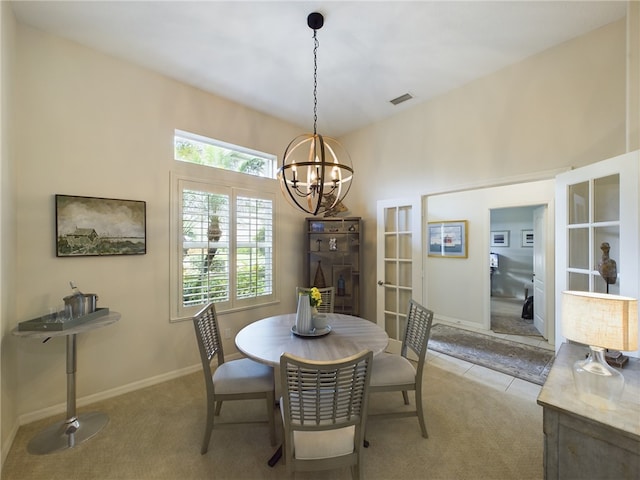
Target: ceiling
[[260, 53]]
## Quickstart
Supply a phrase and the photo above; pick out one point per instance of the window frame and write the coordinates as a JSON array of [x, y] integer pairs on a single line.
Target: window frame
[[216, 180]]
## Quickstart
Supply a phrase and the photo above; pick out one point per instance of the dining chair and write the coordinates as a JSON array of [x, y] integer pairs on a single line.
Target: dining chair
[[241, 379], [324, 410], [328, 295], [392, 372]]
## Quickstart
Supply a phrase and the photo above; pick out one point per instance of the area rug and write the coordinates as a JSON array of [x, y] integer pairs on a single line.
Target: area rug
[[513, 325], [516, 359]]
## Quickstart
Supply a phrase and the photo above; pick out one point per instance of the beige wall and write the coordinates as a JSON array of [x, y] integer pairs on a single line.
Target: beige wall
[[562, 108], [8, 375], [88, 124]]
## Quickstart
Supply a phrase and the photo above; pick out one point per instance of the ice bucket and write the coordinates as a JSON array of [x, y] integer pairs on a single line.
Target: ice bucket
[[81, 304]]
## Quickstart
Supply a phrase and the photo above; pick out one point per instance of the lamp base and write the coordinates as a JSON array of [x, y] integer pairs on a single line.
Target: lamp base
[[597, 383]]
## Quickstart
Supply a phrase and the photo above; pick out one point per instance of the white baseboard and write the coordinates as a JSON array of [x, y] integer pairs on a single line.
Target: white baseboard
[[455, 322], [114, 392], [6, 446]]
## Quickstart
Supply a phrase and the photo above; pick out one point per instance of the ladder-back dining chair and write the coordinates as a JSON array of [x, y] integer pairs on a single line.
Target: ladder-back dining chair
[[328, 297], [324, 410], [241, 379], [392, 372]]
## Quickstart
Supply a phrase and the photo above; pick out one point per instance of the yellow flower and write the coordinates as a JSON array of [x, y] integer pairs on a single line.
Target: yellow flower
[[315, 299]]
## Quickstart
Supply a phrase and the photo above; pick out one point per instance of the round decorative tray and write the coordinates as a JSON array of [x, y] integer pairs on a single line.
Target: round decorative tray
[[313, 333]]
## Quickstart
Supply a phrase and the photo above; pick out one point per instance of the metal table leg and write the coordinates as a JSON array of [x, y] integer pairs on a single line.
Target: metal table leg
[[76, 428]]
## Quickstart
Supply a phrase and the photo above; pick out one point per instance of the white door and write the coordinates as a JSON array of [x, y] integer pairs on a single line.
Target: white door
[[539, 269], [598, 204], [399, 272]]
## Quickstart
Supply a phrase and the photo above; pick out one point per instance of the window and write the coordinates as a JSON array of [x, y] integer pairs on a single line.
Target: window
[[192, 148], [222, 232]]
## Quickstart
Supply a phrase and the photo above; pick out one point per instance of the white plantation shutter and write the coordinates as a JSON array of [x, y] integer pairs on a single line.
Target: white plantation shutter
[[205, 262], [254, 246], [225, 251]]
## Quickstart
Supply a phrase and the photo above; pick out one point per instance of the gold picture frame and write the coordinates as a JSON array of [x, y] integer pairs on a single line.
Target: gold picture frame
[[447, 239]]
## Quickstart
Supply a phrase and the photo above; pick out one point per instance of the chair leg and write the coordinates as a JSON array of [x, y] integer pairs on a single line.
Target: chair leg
[[357, 472], [420, 412], [271, 400], [218, 407], [208, 429], [405, 395]]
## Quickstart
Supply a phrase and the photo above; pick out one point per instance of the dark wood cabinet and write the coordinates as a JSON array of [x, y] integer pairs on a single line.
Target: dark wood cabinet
[[333, 258]]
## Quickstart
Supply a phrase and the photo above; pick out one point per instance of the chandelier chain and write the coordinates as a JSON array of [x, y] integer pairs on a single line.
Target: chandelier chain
[[316, 171], [315, 81]]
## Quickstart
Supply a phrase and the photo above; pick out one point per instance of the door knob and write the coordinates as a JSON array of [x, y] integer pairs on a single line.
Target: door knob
[[380, 282]]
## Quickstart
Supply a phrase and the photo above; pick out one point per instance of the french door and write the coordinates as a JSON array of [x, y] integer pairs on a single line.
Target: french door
[[597, 210], [399, 264]]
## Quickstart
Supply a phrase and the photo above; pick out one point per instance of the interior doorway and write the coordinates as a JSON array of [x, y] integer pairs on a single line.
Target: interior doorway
[[513, 264]]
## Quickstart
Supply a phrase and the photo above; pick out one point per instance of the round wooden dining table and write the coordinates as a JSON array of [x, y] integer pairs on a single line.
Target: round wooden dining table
[[266, 340]]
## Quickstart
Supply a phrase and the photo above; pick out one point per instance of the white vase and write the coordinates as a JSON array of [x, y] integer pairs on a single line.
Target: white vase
[[303, 315]]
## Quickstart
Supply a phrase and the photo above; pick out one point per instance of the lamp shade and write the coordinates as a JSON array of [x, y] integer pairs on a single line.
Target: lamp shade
[[602, 320]]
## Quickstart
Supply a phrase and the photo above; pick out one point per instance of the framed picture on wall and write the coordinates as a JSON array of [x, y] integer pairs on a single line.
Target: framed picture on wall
[[527, 238], [447, 239], [91, 226], [500, 238]]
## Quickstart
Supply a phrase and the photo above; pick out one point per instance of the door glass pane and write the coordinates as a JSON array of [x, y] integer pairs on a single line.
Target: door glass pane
[[391, 325], [610, 236], [405, 274], [578, 281], [390, 302], [405, 296], [578, 203], [404, 219], [405, 246], [600, 286], [579, 248], [390, 276], [606, 199], [390, 246], [390, 220], [606, 256]]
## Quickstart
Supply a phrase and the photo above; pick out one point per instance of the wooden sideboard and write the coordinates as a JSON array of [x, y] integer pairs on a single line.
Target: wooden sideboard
[[584, 442]]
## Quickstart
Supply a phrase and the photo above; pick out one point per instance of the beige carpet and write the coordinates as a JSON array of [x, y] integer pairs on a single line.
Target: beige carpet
[[475, 432], [506, 317], [512, 325]]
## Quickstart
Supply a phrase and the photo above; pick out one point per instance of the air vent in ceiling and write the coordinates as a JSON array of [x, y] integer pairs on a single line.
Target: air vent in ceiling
[[401, 98]]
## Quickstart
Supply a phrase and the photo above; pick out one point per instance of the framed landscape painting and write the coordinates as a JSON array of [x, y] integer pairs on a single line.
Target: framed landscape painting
[[447, 239], [500, 238], [92, 226]]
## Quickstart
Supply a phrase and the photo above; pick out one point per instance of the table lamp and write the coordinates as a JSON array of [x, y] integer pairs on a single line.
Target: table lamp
[[600, 321]]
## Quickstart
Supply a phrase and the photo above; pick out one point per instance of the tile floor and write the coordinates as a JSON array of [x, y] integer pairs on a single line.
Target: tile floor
[[487, 376]]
